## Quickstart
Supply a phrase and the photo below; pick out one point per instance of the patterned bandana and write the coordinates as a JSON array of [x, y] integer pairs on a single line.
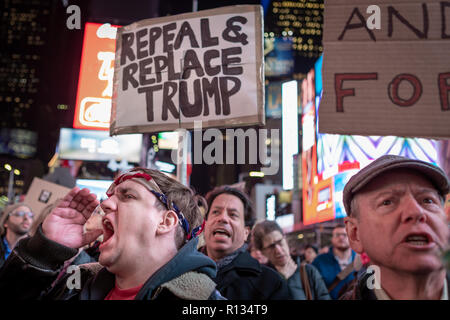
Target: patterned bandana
[[149, 183]]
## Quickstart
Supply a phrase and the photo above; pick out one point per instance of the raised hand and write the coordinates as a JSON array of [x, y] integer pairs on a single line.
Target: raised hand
[[64, 224]]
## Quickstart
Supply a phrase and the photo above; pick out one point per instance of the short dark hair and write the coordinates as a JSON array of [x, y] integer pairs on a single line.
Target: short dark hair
[[339, 226], [261, 229], [248, 205], [316, 250]]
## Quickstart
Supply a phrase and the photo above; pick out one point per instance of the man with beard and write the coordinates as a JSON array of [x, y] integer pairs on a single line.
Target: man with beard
[[15, 224], [338, 258]]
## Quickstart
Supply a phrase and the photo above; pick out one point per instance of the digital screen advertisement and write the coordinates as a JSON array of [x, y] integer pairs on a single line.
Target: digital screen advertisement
[[94, 145], [93, 104]]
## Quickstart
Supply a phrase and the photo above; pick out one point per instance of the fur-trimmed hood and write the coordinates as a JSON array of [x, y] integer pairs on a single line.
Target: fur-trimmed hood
[[187, 276]]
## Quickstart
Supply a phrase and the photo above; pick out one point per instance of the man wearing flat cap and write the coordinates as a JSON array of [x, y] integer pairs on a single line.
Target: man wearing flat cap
[[395, 209]]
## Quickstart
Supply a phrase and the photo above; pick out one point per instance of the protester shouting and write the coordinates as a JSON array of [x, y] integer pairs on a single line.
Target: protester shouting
[[149, 248]]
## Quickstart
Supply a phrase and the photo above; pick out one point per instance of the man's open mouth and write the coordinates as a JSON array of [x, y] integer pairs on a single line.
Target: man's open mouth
[[108, 230], [221, 231], [417, 239]]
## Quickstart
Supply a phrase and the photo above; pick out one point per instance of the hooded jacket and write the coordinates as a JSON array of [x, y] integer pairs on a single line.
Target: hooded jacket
[[35, 263]]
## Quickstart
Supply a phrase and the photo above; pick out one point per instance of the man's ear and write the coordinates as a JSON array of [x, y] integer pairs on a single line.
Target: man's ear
[[168, 222], [352, 228], [246, 233]]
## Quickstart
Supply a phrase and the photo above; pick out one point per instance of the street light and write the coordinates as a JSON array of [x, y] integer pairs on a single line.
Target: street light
[[12, 172]]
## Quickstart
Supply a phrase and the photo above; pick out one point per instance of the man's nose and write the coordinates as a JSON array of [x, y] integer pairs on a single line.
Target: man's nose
[[108, 205], [278, 248], [223, 216], [412, 210]]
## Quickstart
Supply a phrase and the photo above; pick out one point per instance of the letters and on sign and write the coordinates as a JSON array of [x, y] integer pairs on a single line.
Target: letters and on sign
[[391, 80], [202, 66]]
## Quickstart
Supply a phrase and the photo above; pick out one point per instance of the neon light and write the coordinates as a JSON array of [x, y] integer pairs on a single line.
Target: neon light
[[93, 104], [289, 131]]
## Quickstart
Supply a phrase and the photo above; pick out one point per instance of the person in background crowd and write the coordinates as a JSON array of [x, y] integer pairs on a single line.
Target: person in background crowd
[[257, 254], [396, 216], [149, 250], [296, 248], [304, 281], [239, 276], [331, 264], [324, 249], [15, 224], [311, 252]]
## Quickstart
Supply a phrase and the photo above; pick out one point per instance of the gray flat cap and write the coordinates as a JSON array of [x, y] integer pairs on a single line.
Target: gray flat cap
[[387, 162]]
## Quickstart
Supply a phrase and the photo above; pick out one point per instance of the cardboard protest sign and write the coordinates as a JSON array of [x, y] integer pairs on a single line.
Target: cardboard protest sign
[[42, 193], [386, 68], [202, 66]]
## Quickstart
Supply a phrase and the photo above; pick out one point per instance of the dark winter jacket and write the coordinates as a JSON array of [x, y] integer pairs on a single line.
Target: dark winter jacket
[[358, 290], [318, 289], [245, 278], [329, 268], [2, 252], [35, 263]]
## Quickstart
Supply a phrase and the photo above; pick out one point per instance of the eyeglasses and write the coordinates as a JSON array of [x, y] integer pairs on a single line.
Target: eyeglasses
[[20, 214], [272, 246]]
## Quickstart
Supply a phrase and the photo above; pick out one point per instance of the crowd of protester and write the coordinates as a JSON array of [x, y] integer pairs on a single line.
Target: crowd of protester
[[157, 239]]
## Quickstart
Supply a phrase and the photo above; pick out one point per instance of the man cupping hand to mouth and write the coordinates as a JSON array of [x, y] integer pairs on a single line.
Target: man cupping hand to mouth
[[150, 225]]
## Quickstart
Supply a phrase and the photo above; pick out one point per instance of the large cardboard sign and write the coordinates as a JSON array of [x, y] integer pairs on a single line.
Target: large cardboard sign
[[203, 66], [394, 80], [42, 193]]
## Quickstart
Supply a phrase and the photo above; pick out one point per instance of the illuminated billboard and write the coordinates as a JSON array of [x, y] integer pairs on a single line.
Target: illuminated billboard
[[330, 160], [317, 195], [98, 187], [94, 145], [289, 128], [93, 104]]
